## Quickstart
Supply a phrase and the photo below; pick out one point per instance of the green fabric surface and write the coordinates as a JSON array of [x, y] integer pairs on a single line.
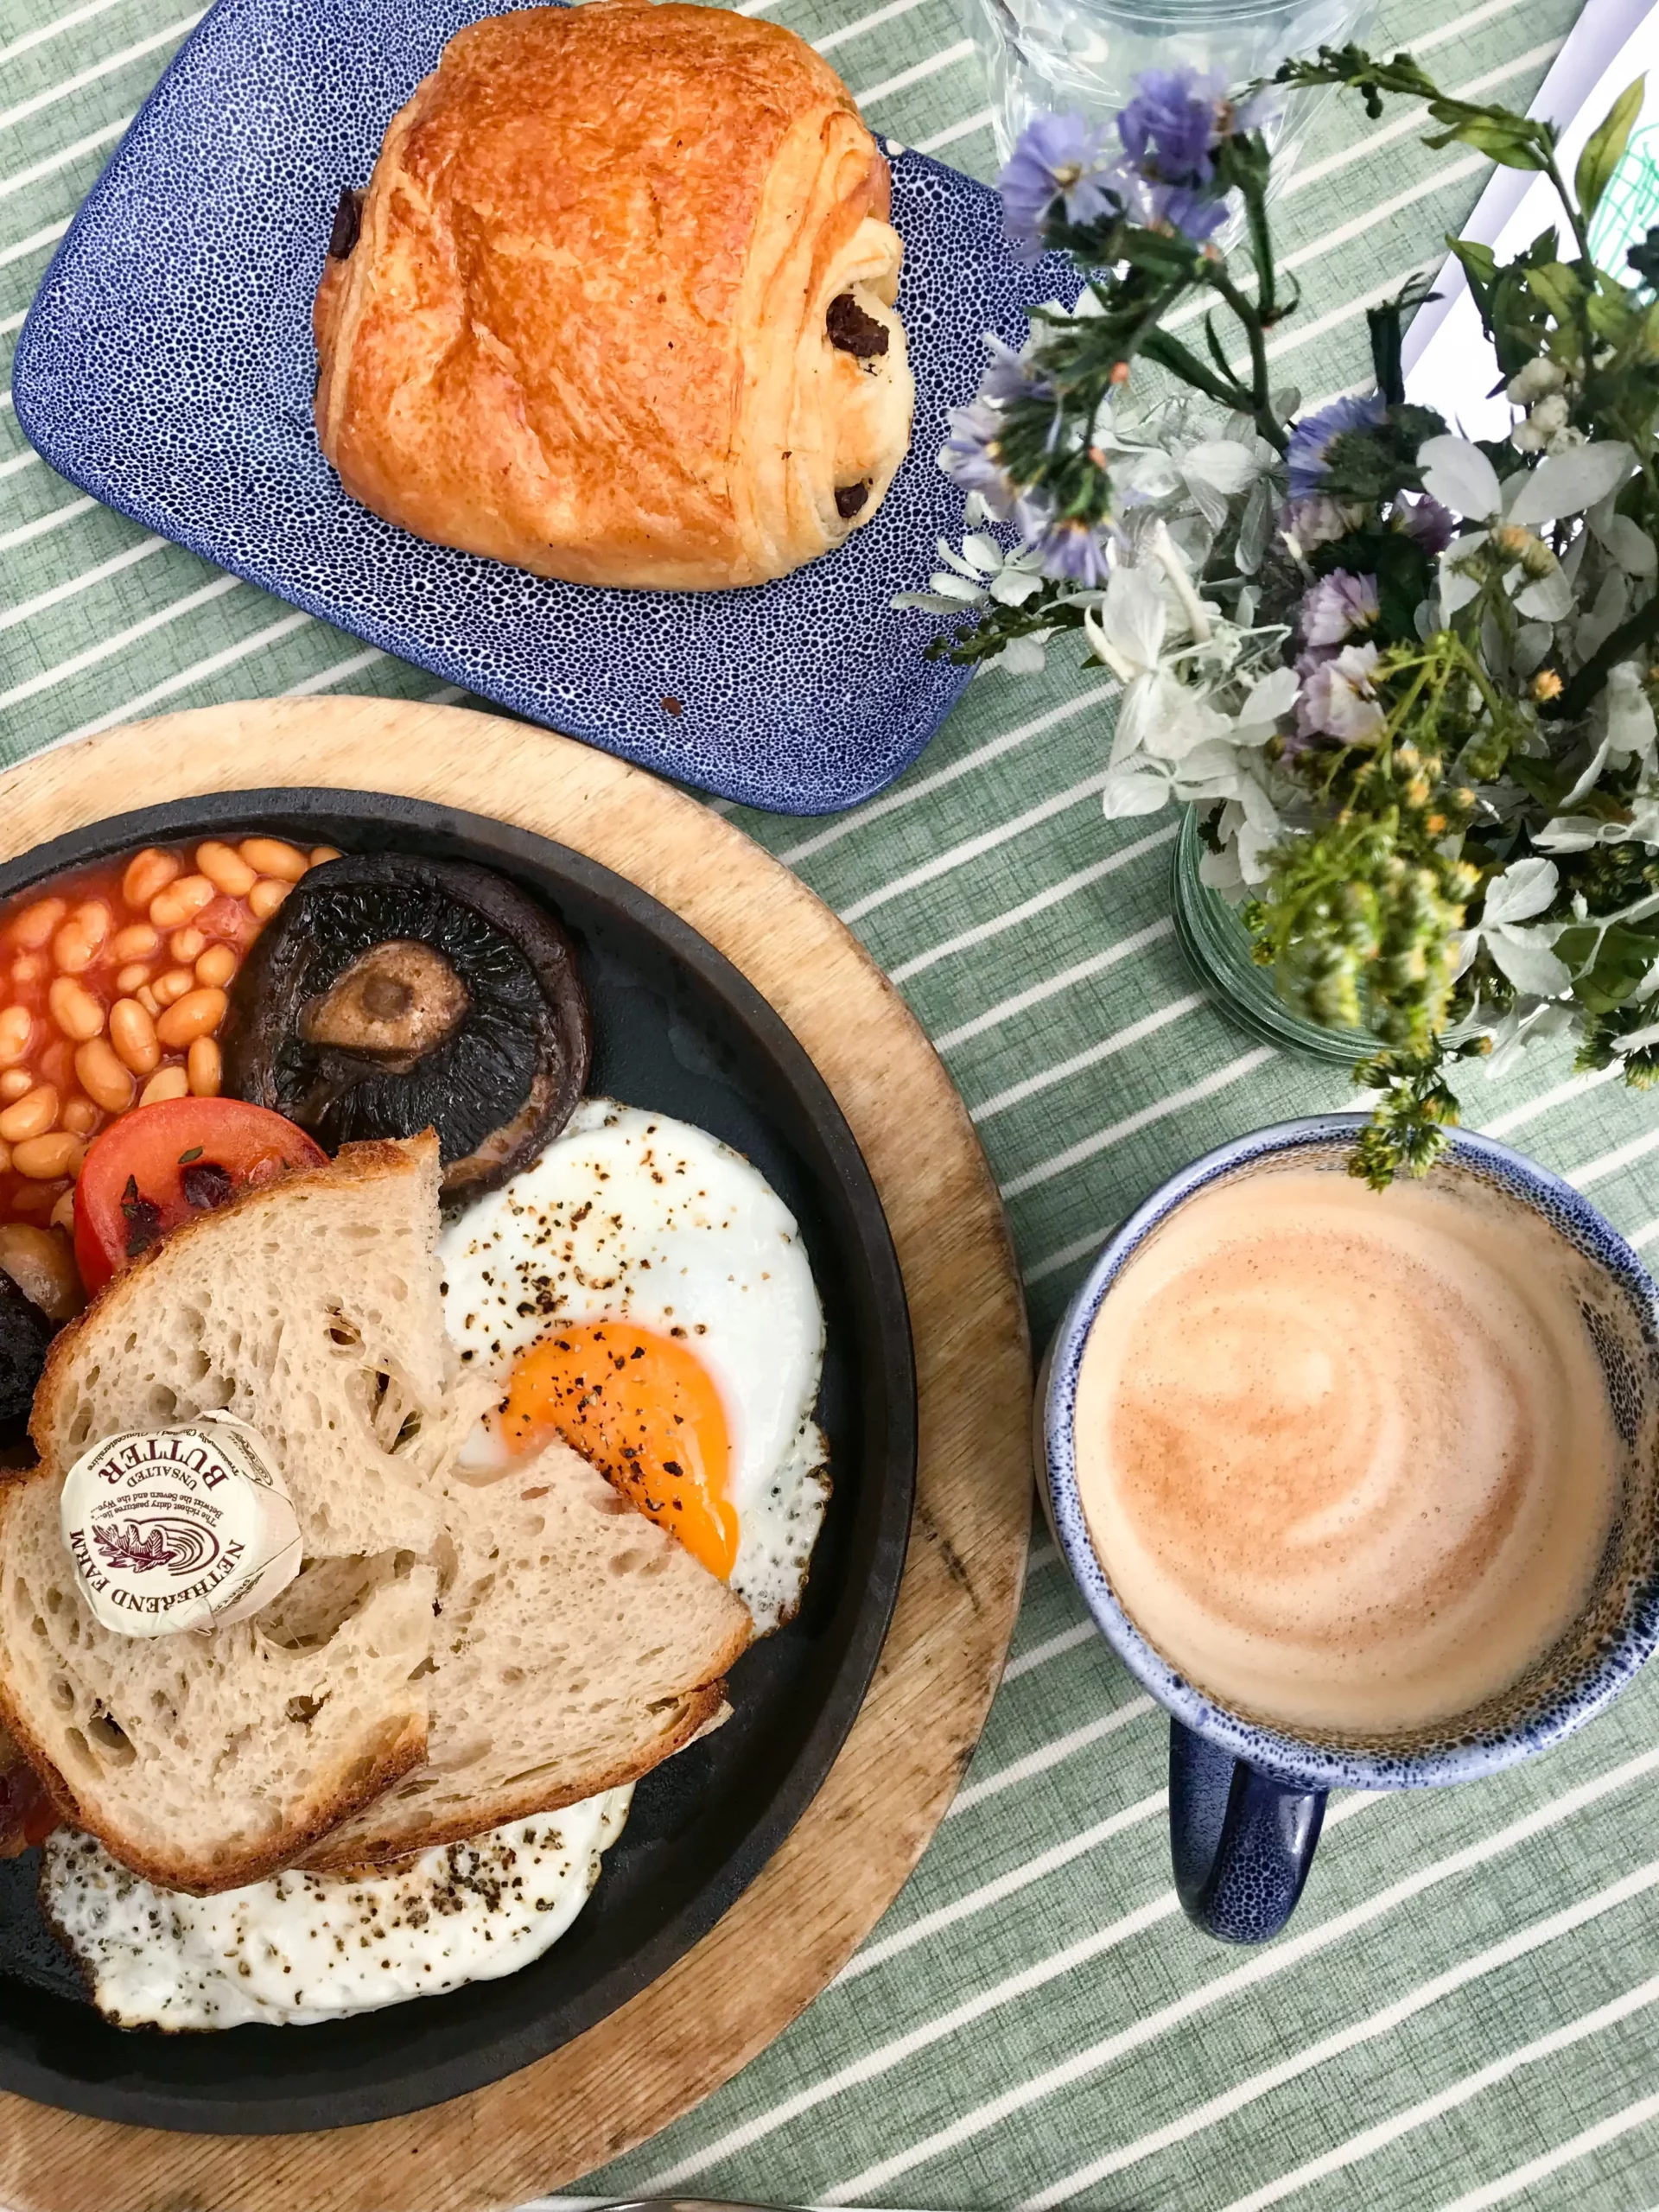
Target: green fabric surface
[[1465, 2012]]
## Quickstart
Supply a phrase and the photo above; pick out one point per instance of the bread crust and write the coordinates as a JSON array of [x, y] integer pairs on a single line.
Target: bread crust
[[602, 353], [386, 1847]]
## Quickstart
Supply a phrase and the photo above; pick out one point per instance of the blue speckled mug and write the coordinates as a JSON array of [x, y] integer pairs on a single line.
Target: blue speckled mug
[[1246, 1798]]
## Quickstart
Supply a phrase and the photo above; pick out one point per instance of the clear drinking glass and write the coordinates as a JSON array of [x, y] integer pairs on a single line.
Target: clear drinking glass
[[1083, 56]]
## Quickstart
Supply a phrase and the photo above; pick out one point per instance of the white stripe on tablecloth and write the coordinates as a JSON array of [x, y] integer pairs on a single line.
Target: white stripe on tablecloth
[[27, 530], [21, 248], [61, 159], [1006, 1885], [965, 128], [1609, 1163], [921, 786], [28, 459], [1080, 971], [118, 641], [1514, 2185], [11, 322], [55, 29], [859, 24], [1517, 1946], [1460, 2092], [197, 673], [26, 609], [337, 673], [1041, 1555], [1038, 903], [1103, 1139], [1546, 1102], [947, 57], [1090, 1056], [1052, 1647], [1052, 1754], [1265, 1966], [94, 70], [971, 847], [1372, 296]]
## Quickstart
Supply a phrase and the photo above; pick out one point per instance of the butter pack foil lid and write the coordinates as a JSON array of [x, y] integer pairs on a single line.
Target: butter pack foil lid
[[188, 1526]]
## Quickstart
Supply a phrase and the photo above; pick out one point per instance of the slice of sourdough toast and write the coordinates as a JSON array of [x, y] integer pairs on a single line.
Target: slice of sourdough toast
[[577, 1645], [311, 1308]]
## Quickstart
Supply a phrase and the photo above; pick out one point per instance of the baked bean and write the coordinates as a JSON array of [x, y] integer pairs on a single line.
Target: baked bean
[[173, 985], [16, 1027], [216, 966], [63, 1212], [81, 1116], [5, 1158], [31, 1115], [33, 1198], [188, 944], [43, 1267], [81, 938], [166, 1082], [202, 1066], [225, 869], [271, 857], [104, 1077], [266, 896], [133, 1033], [56, 1065], [33, 928], [28, 967], [321, 852], [147, 998], [137, 941], [198, 1014], [43, 1160], [76, 1012], [17, 1083], [147, 872], [181, 902], [128, 979]]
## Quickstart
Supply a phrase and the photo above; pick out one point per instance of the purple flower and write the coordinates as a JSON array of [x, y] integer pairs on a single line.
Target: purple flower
[[1168, 207], [973, 456], [1427, 521], [1173, 125], [1058, 157], [1337, 699], [1312, 438], [1010, 376], [1335, 606], [1073, 551]]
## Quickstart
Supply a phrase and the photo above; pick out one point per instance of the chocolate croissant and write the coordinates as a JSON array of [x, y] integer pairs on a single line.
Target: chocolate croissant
[[618, 304]]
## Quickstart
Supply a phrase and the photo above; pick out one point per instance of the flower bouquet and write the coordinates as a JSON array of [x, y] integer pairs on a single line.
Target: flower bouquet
[[1405, 679]]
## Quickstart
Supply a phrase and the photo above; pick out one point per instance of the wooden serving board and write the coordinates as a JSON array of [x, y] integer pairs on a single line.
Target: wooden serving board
[[841, 1867]]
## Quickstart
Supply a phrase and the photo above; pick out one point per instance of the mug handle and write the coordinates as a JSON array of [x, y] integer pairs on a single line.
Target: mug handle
[[1242, 1844]]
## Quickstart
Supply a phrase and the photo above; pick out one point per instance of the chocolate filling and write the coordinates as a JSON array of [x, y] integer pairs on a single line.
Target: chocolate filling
[[849, 498], [348, 221], [852, 331]]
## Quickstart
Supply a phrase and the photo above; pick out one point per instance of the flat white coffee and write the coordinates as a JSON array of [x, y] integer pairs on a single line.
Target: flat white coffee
[[1346, 1456]]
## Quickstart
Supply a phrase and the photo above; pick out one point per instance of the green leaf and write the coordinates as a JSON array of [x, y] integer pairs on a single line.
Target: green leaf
[[1558, 288], [1620, 963], [1605, 148], [1508, 140]]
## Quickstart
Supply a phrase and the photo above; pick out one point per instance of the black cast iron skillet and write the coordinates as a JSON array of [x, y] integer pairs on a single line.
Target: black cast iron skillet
[[677, 1028]]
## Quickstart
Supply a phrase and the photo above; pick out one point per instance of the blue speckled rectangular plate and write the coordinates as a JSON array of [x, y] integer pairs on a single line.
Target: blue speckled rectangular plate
[[167, 367]]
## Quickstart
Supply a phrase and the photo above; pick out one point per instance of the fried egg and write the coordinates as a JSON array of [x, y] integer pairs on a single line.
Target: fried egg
[[303, 1947], [641, 1292]]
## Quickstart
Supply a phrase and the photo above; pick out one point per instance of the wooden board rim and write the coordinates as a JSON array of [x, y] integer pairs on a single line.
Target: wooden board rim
[[700, 2021]]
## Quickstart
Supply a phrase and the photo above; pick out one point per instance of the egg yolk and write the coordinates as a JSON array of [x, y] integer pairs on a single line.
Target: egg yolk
[[642, 1408]]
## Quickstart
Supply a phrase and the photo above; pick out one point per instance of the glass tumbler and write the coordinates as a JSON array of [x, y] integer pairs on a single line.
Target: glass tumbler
[[1081, 57]]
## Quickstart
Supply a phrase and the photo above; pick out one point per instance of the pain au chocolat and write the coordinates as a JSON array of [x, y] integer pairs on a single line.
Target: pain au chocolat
[[618, 304]]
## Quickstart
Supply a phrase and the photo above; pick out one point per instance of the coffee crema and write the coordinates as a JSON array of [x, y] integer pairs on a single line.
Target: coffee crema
[[1347, 1457]]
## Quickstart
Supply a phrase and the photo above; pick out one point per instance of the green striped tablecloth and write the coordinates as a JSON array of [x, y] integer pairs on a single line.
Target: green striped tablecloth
[[1466, 2010]]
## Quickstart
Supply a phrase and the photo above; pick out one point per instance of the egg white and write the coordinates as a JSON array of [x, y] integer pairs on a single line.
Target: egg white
[[631, 1215], [304, 1947]]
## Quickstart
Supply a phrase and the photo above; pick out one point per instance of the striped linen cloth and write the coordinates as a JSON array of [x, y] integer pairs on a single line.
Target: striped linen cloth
[[1465, 2012]]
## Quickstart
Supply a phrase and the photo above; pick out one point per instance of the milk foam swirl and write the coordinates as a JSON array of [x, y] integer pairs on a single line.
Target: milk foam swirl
[[1346, 1456]]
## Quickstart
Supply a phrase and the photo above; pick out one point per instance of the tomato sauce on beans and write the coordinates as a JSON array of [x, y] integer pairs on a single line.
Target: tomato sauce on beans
[[114, 984]]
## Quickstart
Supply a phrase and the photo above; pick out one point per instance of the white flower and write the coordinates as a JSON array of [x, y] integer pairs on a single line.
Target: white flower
[[1524, 889], [1630, 718], [1528, 1022], [1537, 379], [1460, 477]]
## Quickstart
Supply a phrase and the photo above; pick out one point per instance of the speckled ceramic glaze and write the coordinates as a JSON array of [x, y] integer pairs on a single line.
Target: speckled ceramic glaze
[[1247, 1798], [167, 366]]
